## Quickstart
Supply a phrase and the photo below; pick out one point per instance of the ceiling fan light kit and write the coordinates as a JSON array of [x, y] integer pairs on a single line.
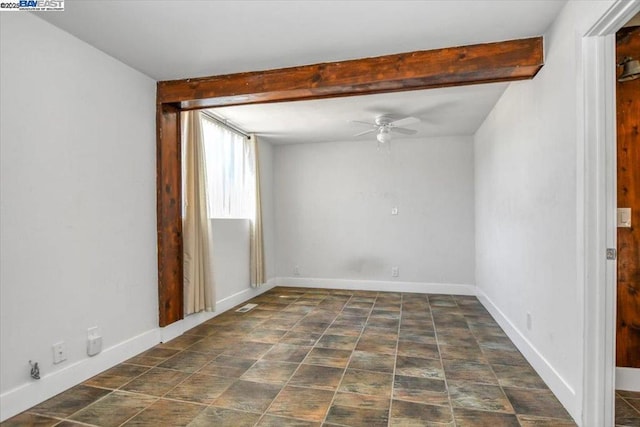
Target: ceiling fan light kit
[[384, 135]]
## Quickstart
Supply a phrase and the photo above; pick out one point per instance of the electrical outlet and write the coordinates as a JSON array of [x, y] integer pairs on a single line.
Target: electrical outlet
[[296, 271], [94, 341], [395, 271], [59, 352], [394, 210], [529, 321], [94, 345]]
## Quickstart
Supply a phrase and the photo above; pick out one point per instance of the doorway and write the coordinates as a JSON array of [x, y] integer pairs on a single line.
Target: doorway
[[628, 199], [627, 399], [599, 220]]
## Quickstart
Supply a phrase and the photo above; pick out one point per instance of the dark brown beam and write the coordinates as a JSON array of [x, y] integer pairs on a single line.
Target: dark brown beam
[[169, 211], [455, 66]]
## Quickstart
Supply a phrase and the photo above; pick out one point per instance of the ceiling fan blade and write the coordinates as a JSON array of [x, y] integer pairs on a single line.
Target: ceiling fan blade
[[365, 132], [404, 131], [406, 121], [364, 123]]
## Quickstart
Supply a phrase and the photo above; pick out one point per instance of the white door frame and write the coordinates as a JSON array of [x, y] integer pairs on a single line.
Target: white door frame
[[597, 195]]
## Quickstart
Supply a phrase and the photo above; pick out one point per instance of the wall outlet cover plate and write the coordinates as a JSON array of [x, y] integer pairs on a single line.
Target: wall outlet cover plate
[[59, 353], [94, 345]]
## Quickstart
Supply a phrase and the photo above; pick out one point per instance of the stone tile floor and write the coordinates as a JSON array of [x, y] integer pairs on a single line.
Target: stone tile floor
[[312, 357], [627, 408]]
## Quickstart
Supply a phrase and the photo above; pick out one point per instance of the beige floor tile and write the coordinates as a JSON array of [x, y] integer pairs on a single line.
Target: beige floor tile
[[314, 376], [302, 403], [248, 396], [167, 412], [367, 382]]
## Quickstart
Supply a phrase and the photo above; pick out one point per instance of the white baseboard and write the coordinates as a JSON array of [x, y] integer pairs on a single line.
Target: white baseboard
[[30, 394], [27, 395], [558, 385], [628, 379], [181, 326], [377, 285]]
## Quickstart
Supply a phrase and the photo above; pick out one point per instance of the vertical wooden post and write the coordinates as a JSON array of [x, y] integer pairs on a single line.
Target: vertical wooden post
[[628, 195], [169, 210]]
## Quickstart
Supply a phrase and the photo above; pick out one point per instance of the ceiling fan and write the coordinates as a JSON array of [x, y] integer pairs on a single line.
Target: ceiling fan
[[385, 125]]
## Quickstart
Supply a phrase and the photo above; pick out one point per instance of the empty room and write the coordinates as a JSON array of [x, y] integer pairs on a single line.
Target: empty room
[[320, 213]]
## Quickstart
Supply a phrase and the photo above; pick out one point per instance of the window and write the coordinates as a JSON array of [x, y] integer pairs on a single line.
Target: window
[[230, 171]]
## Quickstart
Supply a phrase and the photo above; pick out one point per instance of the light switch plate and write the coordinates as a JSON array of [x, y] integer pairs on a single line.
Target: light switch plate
[[624, 217]]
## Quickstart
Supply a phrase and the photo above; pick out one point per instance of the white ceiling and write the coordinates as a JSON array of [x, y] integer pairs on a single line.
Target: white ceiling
[[191, 38], [446, 111]]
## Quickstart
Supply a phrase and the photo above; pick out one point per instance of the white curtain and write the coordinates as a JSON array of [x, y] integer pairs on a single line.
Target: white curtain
[[229, 171], [258, 276], [198, 278]]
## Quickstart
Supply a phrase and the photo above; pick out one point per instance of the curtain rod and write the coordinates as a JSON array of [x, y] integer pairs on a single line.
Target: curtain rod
[[225, 123]]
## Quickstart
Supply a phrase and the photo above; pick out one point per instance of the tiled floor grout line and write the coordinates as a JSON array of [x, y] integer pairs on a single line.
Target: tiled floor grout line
[[494, 373], [144, 394], [626, 400], [205, 406], [302, 361], [299, 364], [77, 422], [157, 398], [59, 419], [191, 374], [335, 393], [395, 357], [475, 337], [68, 417], [139, 412], [257, 360], [444, 374], [637, 409], [395, 362]]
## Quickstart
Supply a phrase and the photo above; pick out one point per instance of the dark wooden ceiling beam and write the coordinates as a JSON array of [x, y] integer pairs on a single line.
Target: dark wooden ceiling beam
[[455, 66]]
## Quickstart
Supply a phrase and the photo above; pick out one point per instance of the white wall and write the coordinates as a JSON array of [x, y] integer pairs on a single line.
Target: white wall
[[78, 213], [527, 233], [267, 191], [333, 210], [230, 256], [77, 203]]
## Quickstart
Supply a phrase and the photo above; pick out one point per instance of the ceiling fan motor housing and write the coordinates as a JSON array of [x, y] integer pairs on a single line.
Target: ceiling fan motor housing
[[383, 120]]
